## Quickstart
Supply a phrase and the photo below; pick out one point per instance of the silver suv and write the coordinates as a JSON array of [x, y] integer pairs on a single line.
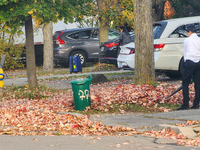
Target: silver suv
[[81, 41], [168, 46]]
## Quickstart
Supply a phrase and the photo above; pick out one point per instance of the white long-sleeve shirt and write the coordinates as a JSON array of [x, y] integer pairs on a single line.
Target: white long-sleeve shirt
[[191, 48]]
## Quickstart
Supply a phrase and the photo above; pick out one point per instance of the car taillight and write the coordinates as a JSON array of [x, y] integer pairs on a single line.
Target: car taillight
[[59, 40], [109, 45], [158, 47], [132, 50], [125, 66]]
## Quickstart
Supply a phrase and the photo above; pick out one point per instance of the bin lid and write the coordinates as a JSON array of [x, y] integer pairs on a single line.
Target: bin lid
[[82, 81]]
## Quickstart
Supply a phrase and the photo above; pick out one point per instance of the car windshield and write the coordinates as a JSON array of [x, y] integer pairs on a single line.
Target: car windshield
[[113, 35]]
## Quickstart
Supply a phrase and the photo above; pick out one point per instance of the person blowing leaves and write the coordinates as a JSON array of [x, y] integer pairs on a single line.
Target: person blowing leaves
[[191, 69]]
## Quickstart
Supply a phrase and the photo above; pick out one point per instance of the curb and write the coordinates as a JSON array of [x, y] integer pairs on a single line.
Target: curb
[[186, 131], [24, 80]]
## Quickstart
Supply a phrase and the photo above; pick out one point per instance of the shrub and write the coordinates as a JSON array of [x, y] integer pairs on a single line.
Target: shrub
[[13, 53]]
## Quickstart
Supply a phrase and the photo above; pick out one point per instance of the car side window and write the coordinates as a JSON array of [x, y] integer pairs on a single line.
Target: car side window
[[74, 35], [94, 34], [85, 34], [181, 32], [196, 25]]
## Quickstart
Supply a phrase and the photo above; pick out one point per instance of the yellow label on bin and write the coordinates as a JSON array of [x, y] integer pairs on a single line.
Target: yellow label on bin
[[74, 66]]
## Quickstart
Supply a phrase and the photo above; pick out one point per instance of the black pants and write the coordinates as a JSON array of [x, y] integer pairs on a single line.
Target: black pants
[[191, 69]]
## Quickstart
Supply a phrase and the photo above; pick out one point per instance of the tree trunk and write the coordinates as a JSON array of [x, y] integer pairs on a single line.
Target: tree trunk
[[48, 47], [144, 72], [30, 54], [104, 24], [158, 7]]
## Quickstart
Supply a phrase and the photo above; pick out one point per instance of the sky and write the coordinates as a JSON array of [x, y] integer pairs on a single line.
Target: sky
[[38, 36]]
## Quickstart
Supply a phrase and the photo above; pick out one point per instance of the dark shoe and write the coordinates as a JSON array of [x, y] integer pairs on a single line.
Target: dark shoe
[[194, 107], [183, 108]]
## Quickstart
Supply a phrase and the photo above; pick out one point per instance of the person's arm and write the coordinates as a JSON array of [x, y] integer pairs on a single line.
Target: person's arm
[[120, 38], [184, 48]]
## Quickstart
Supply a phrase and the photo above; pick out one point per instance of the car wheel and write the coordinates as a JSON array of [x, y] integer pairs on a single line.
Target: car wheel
[[81, 55]]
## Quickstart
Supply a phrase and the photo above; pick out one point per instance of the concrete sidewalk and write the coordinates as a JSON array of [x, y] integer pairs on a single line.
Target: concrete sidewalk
[[158, 121], [24, 81]]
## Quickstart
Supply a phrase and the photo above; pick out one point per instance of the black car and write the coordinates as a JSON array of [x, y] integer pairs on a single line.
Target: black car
[[80, 41], [109, 50]]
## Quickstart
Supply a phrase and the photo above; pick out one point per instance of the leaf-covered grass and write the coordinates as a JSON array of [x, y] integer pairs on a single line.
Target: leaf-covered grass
[[129, 108], [23, 92], [60, 71], [103, 67], [117, 79], [43, 92]]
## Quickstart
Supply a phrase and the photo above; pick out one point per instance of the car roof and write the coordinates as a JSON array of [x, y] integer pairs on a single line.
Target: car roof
[[89, 28], [172, 24], [78, 29], [182, 20]]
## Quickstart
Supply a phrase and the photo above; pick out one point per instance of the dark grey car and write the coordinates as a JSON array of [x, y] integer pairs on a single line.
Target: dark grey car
[[81, 41]]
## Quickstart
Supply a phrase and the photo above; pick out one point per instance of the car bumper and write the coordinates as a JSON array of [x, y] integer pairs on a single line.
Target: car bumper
[[108, 60], [60, 59], [126, 61]]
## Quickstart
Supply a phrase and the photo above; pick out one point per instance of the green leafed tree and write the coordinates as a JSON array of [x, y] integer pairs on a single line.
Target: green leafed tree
[[15, 13], [51, 11], [186, 8], [110, 13]]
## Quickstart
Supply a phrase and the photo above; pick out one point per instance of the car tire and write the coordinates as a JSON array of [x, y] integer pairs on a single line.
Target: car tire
[[82, 56]]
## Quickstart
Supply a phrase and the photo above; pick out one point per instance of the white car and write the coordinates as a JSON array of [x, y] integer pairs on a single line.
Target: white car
[[168, 46]]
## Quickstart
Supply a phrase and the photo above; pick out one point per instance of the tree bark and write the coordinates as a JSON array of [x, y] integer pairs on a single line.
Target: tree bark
[[30, 54], [48, 47], [104, 23], [158, 7], [144, 72]]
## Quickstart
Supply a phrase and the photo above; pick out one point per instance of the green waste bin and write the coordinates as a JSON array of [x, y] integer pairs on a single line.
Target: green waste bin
[[81, 92]]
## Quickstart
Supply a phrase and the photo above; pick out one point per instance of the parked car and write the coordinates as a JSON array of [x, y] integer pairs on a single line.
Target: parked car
[[109, 50], [168, 46], [38, 40], [80, 41]]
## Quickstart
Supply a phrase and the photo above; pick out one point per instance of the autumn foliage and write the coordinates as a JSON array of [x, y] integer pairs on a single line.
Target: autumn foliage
[[169, 11], [50, 113]]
